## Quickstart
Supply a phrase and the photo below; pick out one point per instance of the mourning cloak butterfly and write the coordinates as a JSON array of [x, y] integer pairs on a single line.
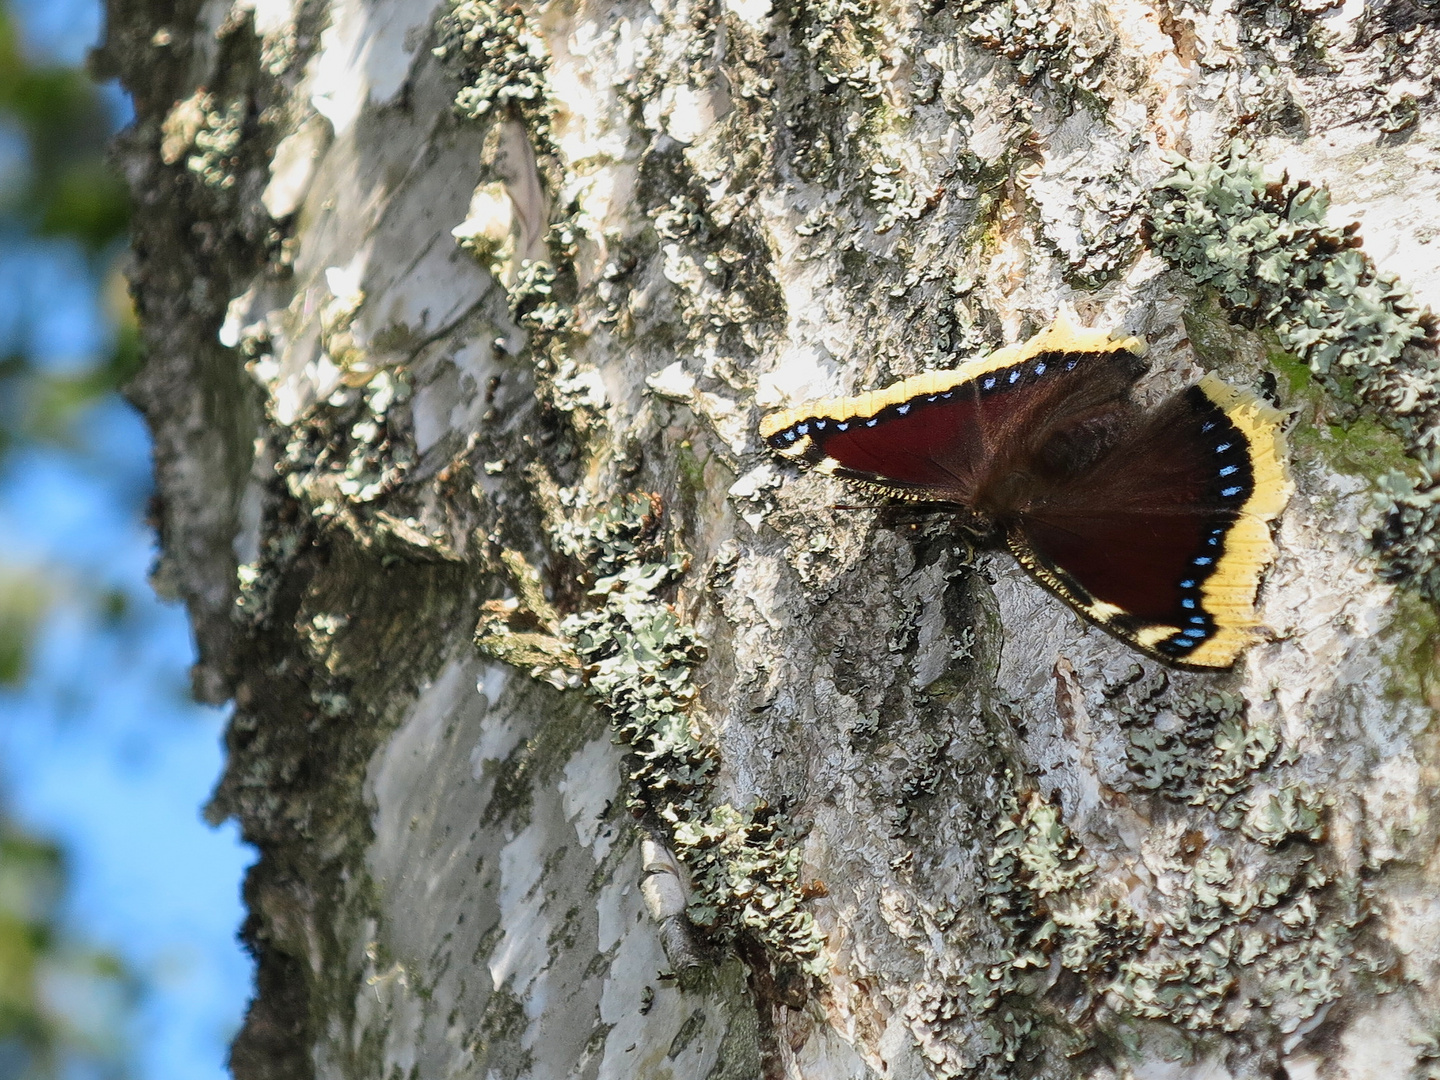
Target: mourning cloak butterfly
[[1153, 523]]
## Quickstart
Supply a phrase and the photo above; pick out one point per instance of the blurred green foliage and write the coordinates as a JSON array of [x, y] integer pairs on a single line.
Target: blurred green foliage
[[63, 1006], [59, 1003], [55, 123], [66, 189], [58, 192]]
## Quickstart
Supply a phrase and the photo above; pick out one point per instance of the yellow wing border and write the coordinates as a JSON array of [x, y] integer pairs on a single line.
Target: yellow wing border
[[1062, 336]]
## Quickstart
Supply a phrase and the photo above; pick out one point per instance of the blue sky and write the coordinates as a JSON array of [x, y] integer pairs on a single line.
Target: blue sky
[[102, 749]]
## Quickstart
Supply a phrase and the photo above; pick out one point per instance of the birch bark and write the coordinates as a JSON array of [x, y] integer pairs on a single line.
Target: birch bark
[[466, 314]]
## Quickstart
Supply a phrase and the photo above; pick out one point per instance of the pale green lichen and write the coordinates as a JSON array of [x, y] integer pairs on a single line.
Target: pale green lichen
[[1406, 537], [1040, 42], [343, 450], [1266, 250], [1290, 812], [533, 301], [257, 582], [339, 455], [638, 657], [1200, 748], [1272, 260], [503, 65], [1043, 893], [844, 37], [1254, 931], [217, 142], [501, 61], [1427, 1058], [895, 196], [1284, 30]]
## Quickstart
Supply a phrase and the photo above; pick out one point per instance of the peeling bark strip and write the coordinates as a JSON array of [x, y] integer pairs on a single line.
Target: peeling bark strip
[[429, 290]]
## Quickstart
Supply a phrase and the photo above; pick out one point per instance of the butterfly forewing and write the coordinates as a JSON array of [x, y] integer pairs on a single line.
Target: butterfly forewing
[[945, 435]]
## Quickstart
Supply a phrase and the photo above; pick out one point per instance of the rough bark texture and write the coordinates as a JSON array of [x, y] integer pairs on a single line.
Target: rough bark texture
[[464, 314]]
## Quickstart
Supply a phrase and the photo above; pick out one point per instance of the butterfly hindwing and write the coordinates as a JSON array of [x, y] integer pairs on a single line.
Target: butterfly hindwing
[[1164, 539]]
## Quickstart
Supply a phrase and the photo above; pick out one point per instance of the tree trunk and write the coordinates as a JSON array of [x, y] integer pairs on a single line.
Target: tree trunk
[[579, 736]]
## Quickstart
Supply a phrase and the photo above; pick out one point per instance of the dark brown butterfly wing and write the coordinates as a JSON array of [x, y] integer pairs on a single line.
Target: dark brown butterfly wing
[[945, 434], [1162, 541]]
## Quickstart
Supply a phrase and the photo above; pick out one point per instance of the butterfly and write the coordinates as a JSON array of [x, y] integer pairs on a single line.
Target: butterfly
[[1154, 524]]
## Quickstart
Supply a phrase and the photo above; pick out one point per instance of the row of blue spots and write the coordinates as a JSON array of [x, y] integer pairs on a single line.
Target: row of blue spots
[[1200, 626], [990, 381], [1198, 622], [1227, 470], [790, 435], [1234, 489]]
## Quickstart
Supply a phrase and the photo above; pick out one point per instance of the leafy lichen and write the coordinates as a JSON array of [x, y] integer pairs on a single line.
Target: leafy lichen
[[1042, 44], [1200, 748], [503, 66], [845, 38], [1267, 252], [500, 60], [1044, 895], [1253, 929], [217, 143], [344, 451], [1406, 536], [207, 133], [1272, 260]]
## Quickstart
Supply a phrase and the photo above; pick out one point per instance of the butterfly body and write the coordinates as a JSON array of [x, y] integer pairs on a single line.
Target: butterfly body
[[1151, 523]]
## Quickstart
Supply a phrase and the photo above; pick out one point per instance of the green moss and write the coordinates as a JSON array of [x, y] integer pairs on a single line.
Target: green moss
[[1364, 447], [1357, 445], [1293, 370], [1413, 664], [690, 469]]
